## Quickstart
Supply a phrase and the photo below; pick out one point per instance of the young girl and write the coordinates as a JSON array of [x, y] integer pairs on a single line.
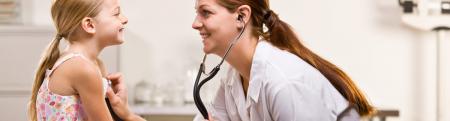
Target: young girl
[[70, 86]]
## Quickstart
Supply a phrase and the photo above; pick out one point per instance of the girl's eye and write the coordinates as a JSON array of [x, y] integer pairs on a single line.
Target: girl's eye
[[117, 13]]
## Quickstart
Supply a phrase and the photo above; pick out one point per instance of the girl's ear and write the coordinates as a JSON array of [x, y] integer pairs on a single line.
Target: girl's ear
[[87, 24]]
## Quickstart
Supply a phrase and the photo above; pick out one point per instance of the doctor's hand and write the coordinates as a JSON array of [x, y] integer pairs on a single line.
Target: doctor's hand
[[118, 97], [210, 117], [118, 86]]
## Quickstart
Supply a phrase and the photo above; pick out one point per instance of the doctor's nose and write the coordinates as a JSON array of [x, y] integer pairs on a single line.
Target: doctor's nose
[[196, 24]]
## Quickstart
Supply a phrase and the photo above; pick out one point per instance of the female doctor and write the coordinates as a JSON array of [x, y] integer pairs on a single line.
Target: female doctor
[[274, 77]]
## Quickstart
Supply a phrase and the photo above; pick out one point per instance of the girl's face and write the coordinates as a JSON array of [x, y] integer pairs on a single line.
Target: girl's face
[[110, 23], [216, 25]]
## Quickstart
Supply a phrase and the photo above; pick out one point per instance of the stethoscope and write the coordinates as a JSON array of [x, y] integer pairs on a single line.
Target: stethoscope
[[197, 85]]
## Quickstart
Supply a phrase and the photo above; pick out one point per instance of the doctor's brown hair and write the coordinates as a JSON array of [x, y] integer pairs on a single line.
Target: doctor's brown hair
[[67, 16], [282, 36]]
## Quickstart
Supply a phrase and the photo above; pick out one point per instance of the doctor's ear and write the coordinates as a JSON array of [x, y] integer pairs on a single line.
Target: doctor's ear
[[243, 14], [87, 25], [239, 18]]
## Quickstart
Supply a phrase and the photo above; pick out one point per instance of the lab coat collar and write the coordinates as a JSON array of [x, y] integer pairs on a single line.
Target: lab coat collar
[[258, 70], [233, 75], [256, 76], [234, 83]]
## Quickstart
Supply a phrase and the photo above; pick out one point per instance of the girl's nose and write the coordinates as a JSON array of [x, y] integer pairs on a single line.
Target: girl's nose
[[124, 20]]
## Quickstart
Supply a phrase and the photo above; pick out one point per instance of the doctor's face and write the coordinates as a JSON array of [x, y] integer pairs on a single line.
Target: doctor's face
[[216, 25]]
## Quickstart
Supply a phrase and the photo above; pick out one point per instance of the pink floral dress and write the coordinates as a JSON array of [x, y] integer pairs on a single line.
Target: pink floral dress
[[54, 107]]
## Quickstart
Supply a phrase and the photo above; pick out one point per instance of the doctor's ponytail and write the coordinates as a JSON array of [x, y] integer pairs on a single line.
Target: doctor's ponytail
[[281, 35]]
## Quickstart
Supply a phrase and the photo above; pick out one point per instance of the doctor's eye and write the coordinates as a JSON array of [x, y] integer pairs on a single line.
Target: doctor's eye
[[205, 13]]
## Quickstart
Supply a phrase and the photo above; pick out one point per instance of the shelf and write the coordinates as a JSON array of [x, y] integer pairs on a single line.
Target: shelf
[[26, 29], [145, 110], [5, 91]]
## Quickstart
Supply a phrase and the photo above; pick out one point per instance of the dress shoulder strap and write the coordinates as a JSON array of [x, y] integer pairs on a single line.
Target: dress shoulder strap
[[62, 60]]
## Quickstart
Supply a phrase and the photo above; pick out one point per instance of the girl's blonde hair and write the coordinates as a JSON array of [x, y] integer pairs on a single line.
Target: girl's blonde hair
[[67, 16]]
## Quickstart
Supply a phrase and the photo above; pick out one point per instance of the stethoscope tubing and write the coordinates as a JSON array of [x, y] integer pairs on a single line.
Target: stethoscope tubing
[[197, 85]]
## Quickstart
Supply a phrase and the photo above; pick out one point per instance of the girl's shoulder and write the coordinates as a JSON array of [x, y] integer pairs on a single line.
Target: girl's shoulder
[[79, 72], [69, 72], [80, 69]]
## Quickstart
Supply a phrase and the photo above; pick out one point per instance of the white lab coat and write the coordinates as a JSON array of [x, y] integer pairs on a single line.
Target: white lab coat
[[282, 87]]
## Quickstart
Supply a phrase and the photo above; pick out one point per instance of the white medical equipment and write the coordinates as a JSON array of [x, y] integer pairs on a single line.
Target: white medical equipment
[[433, 15]]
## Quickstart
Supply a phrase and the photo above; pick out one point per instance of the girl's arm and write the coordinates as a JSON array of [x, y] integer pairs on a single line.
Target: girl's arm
[[87, 81]]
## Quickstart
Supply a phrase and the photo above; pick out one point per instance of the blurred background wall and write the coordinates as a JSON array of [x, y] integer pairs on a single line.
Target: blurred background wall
[[395, 65]]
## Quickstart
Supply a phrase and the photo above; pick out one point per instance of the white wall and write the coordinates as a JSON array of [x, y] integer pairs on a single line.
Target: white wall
[[394, 64], [20, 55]]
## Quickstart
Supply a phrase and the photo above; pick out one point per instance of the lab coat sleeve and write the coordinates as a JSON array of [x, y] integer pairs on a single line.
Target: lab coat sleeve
[[296, 102], [217, 109]]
